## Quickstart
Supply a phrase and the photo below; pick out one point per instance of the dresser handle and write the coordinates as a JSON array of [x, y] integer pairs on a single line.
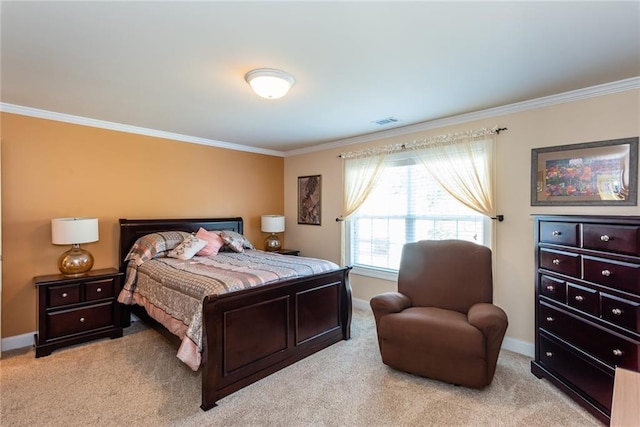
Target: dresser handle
[[556, 233], [64, 295], [616, 311], [99, 290], [556, 261], [579, 298], [549, 319], [550, 288], [549, 354], [82, 320], [617, 352], [606, 273], [604, 238]]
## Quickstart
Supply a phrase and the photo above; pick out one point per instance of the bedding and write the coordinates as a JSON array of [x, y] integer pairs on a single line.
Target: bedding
[[172, 289]]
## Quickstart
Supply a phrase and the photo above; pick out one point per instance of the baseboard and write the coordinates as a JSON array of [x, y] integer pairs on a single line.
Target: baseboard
[[18, 341], [511, 344]]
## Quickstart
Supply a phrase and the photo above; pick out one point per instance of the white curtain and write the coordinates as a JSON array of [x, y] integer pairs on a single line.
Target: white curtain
[[465, 169], [360, 176]]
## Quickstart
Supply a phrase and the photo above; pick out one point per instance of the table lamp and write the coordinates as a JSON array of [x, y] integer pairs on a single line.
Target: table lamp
[[74, 231], [272, 224]]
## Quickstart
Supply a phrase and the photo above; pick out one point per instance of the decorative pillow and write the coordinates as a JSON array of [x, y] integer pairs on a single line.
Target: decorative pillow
[[188, 248], [232, 242], [214, 242], [237, 237], [155, 245]]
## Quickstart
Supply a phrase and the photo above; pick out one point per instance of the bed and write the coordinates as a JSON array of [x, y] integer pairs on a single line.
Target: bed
[[297, 317]]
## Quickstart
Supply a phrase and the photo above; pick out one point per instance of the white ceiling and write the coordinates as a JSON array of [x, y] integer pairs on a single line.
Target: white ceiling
[[179, 66]]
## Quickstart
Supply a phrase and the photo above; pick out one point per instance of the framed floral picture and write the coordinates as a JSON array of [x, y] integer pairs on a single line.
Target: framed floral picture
[[309, 203], [601, 173]]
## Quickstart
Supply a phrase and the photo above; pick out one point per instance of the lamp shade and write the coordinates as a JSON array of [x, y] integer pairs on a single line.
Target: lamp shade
[[71, 231], [269, 83], [272, 223]]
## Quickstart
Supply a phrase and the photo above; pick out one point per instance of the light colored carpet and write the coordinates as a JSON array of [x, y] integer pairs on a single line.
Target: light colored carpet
[[137, 380]]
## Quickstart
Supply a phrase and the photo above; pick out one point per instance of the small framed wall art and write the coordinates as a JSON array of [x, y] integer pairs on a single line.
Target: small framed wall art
[[601, 173], [309, 202]]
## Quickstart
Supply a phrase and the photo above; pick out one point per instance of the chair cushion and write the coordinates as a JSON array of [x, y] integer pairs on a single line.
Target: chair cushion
[[434, 343]]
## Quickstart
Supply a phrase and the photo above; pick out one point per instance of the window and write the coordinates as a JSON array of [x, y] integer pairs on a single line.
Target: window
[[407, 205]]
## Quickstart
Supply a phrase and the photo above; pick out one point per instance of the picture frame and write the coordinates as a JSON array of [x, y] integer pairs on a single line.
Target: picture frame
[[309, 200], [600, 173]]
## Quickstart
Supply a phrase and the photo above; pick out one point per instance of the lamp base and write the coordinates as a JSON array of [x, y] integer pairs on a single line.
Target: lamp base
[[272, 243], [75, 262]]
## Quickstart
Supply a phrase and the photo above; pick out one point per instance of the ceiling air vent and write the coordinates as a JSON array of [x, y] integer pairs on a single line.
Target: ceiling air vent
[[385, 121]]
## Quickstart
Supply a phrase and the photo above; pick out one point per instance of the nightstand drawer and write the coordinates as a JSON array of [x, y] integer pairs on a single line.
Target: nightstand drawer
[[63, 295], [98, 290], [69, 322]]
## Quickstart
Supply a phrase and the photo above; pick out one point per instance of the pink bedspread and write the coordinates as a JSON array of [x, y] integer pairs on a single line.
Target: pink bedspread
[[172, 290]]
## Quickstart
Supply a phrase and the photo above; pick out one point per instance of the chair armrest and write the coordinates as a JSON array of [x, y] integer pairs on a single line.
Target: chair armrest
[[489, 318], [387, 303], [492, 321], [390, 302]]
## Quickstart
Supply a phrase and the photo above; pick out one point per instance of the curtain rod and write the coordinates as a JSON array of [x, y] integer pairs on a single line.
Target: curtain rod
[[439, 138]]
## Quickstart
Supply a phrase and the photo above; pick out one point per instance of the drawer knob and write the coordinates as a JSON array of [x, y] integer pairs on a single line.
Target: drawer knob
[[606, 273], [556, 233], [604, 238], [82, 320], [64, 295], [549, 354], [549, 319], [555, 261], [617, 352], [616, 311], [579, 298], [550, 288], [99, 290]]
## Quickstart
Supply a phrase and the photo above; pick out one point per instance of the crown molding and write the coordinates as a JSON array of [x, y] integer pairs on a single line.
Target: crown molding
[[576, 95], [84, 121]]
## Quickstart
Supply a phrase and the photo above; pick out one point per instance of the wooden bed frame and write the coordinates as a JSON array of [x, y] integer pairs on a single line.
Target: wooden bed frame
[[297, 317]]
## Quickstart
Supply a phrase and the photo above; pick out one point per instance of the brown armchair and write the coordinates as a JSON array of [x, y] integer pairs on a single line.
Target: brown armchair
[[441, 323]]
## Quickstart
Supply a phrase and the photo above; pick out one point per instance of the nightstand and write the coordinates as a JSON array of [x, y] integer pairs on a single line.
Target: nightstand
[[288, 252], [73, 310]]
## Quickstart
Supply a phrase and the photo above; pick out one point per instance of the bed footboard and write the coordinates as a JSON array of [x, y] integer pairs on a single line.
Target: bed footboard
[[250, 334]]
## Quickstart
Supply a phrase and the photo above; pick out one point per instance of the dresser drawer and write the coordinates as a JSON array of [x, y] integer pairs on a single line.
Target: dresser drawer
[[583, 299], [587, 377], [618, 275], [612, 238], [553, 288], [561, 233], [600, 343], [68, 322], [63, 295], [561, 262], [622, 312], [100, 289]]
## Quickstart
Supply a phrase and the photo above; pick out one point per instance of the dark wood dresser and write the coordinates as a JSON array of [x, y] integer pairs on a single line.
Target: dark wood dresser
[[587, 304], [72, 310]]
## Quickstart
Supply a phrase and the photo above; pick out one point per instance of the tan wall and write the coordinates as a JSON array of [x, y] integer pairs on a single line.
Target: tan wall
[[594, 119], [52, 169]]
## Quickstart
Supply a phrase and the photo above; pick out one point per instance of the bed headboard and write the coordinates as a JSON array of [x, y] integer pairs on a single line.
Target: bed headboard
[[132, 229]]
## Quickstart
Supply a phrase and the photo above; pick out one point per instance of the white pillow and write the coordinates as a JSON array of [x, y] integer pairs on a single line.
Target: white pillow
[[188, 248]]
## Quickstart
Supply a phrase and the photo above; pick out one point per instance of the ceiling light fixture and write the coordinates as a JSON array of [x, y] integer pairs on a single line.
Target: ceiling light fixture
[[269, 83]]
